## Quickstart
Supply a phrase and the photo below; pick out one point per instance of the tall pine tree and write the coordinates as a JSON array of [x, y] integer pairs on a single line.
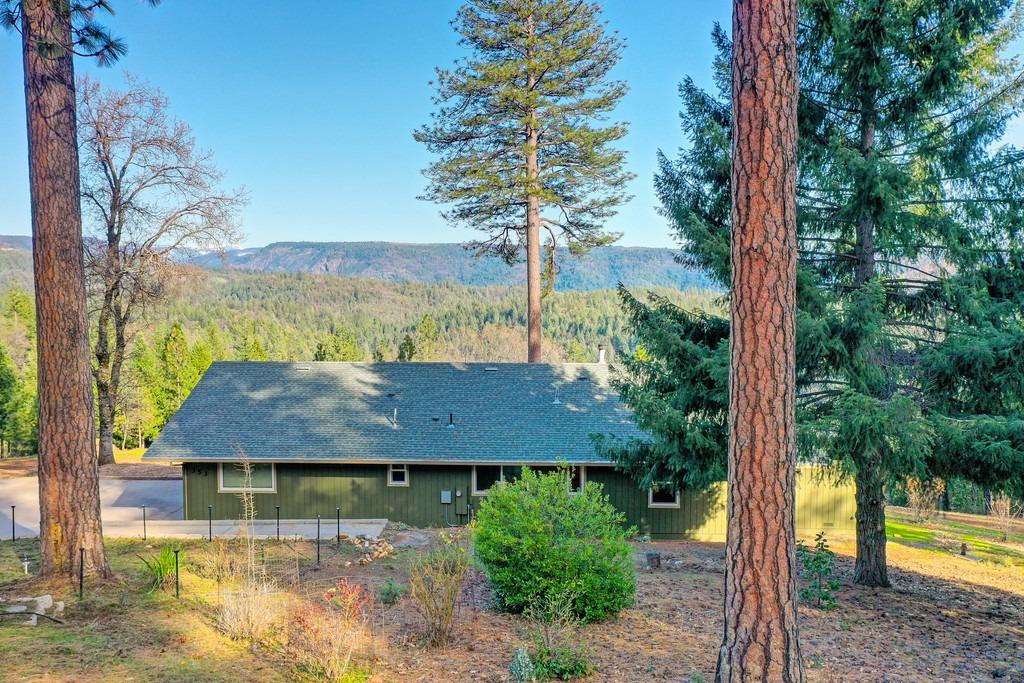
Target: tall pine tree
[[910, 274], [521, 136]]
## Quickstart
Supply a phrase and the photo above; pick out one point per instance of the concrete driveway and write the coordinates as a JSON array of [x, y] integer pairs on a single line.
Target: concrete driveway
[[122, 501]]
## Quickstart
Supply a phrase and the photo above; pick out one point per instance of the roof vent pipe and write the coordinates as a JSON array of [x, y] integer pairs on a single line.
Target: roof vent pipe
[[451, 420], [600, 353], [394, 420]]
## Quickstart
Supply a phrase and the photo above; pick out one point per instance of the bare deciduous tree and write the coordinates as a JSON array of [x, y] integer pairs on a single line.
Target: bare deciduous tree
[[151, 197], [1007, 513]]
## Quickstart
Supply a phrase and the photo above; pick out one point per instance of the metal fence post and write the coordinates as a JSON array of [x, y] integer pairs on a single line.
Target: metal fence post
[[318, 540], [81, 573], [177, 578], [337, 535], [278, 521], [209, 518], [143, 522]]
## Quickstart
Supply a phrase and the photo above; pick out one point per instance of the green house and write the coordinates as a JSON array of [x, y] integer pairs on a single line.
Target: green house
[[421, 443]]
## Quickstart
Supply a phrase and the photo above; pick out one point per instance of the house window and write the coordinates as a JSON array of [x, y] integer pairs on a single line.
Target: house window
[[398, 475], [486, 476], [577, 478], [262, 478], [662, 497], [576, 475]]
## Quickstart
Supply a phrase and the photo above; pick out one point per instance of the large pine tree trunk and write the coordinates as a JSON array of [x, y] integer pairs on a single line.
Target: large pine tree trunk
[[69, 499], [533, 284], [760, 640], [533, 281], [870, 566]]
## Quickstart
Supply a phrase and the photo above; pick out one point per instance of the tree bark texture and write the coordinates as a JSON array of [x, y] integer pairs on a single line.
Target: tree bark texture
[[533, 283], [870, 568], [69, 497], [760, 637], [109, 354]]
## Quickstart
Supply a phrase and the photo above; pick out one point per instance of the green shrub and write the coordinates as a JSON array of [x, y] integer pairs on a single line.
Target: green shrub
[[563, 664], [558, 654], [160, 568], [819, 563], [389, 592], [535, 540]]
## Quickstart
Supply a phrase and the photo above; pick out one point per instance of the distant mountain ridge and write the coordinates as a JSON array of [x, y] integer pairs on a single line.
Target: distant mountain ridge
[[601, 268]]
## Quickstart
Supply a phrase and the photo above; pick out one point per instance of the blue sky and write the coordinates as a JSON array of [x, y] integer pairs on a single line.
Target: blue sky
[[313, 113]]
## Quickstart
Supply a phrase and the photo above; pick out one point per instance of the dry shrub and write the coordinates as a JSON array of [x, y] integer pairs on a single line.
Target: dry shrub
[[251, 612], [329, 637], [218, 560], [257, 606], [1005, 512], [435, 584], [924, 494]]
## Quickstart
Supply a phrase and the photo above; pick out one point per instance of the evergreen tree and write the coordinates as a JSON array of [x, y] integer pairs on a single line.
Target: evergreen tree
[[8, 389], [406, 350], [520, 135], [379, 354], [341, 345], [19, 307], [21, 417], [200, 357], [177, 370], [148, 374], [428, 338], [252, 349], [215, 342], [910, 272]]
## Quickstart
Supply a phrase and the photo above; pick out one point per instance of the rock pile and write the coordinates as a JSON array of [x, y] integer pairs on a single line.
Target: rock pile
[[373, 549]]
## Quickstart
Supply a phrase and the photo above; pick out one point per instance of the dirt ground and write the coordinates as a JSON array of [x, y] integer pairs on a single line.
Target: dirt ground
[[947, 618], [128, 469], [933, 625]]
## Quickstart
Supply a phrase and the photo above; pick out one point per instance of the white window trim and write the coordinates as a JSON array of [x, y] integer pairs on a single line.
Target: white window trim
[[221, 488], [652, 504], [391, 474], [473, 488]]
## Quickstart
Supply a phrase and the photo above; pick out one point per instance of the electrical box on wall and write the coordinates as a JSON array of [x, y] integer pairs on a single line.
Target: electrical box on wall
[[446, 497]]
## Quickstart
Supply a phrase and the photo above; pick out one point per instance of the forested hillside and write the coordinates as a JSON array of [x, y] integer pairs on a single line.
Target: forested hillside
[[226, 314]]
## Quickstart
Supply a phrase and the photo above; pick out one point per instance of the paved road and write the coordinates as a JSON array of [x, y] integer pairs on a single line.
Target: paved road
[[122, 501]]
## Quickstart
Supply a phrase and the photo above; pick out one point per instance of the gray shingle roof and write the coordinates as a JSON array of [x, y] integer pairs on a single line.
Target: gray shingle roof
[[502, 412]]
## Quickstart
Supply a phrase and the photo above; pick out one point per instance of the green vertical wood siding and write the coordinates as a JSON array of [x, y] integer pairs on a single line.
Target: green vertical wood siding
[[361, 491]]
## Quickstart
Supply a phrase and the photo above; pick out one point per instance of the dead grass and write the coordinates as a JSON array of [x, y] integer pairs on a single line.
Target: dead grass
[[127, 466], [947, 618]]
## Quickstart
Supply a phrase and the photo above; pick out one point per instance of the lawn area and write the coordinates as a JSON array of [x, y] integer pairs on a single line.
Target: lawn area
[[947, 618], [128, 455], [948, 534]]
